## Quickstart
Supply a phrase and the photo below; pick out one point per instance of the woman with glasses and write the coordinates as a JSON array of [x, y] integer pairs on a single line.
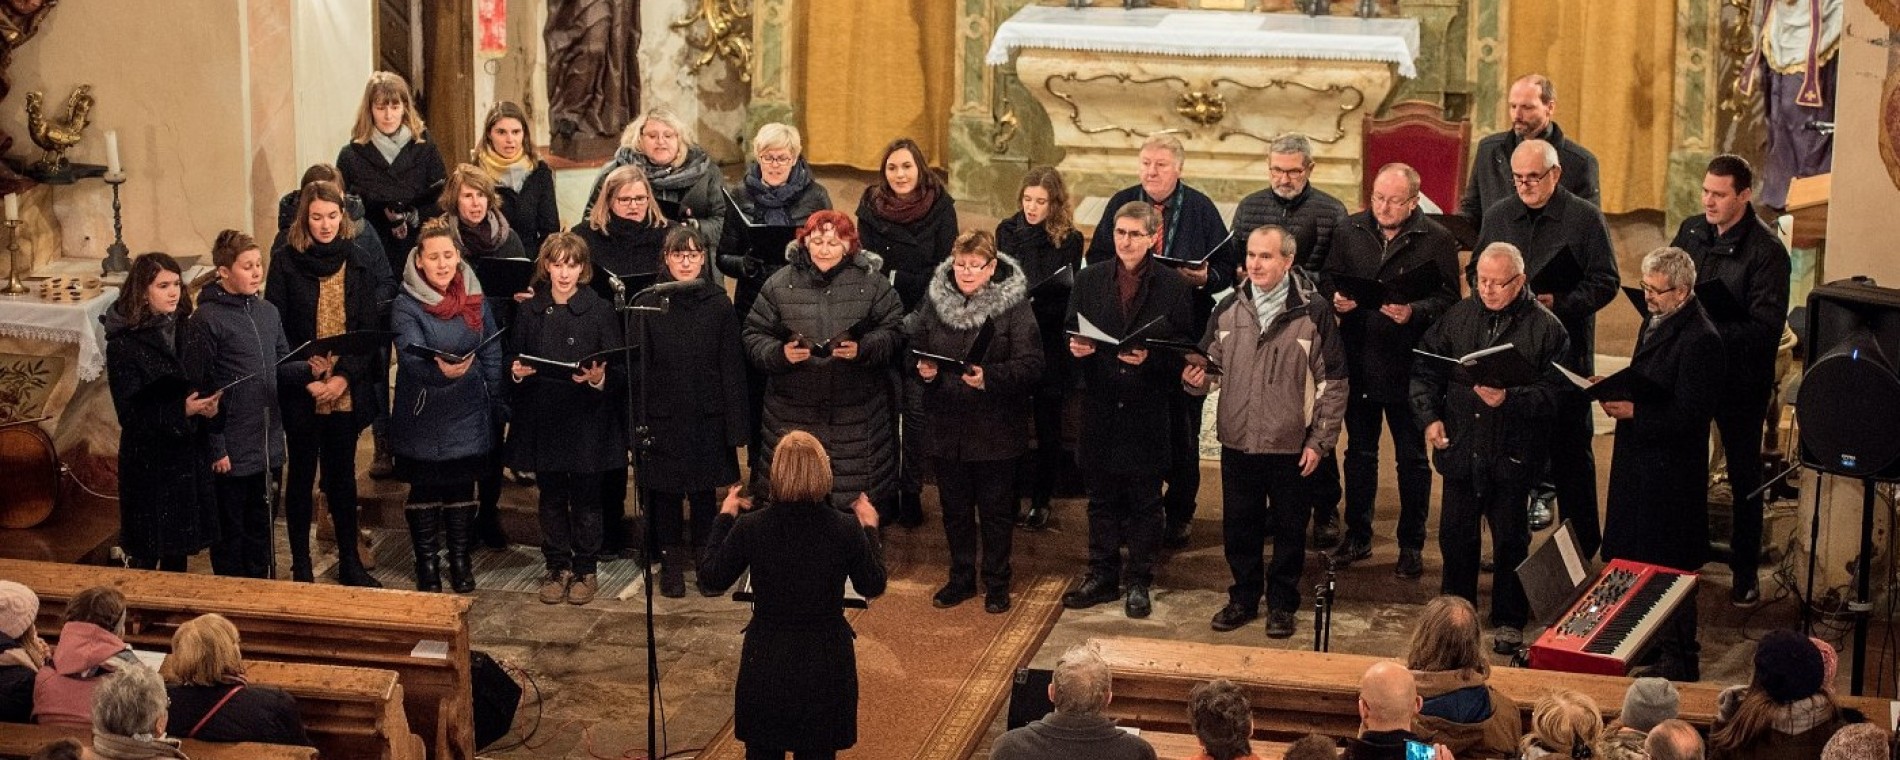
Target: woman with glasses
[[695, 389], [679, 171]]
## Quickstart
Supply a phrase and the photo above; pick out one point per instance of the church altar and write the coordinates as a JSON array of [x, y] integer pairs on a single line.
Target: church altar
[[1225, 83]]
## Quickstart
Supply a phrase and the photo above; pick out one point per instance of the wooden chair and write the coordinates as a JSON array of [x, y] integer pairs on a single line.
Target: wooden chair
[[19, 741], [1416, 133]]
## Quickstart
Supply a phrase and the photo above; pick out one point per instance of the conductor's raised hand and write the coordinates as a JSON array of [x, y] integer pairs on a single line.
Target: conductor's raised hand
[[736, 500], [867, 514]]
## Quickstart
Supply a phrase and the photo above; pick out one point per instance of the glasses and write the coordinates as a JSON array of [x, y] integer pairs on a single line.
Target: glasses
[[628, 200], [1133, 234], [1276, 171], [1380, 200], [775, 160], [1528, 180], [1490, 284], [1658, 292], [965, 267], [689, 254]]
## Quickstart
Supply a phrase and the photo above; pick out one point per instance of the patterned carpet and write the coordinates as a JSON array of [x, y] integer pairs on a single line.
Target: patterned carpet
[[516, 568]]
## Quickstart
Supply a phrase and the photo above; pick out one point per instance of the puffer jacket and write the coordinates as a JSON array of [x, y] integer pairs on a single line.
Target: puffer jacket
[[966, 424], [1502, 446], [62, 692], [1284, 385], [228, 337], [1311, 216], [845, 403], [436, 419]]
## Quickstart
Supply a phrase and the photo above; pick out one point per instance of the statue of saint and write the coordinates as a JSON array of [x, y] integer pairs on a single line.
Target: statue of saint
[[593, 77], [19, 21]]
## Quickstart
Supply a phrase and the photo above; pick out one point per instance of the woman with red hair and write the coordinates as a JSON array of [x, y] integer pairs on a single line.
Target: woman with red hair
[[823, 331]]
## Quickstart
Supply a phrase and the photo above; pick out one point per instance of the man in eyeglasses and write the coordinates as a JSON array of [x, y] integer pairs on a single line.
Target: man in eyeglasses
[[1558, 231], [1532, 101]]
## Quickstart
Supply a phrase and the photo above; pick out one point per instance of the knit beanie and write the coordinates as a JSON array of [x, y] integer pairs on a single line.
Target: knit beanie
[[19, 607], [1788, 666], [1830, 662], [1648, 702]]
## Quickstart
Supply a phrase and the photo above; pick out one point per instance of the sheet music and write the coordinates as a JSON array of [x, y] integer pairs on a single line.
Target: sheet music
[[1567, 548], [1090, 331]]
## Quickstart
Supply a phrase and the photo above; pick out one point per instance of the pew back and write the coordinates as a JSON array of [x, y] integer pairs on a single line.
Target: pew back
[[20, 741]]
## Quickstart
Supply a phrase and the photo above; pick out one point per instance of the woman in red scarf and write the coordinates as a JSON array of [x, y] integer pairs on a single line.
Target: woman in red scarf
[[448, 380]]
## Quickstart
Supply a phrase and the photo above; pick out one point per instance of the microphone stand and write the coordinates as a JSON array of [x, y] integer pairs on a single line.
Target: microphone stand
[[640, 441]]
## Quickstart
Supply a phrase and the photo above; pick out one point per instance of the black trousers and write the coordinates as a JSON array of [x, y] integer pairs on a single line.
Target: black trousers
[[1184, 448], [1501, 506], [1573, 469], [570, 520], [488, 486], [1739, 422], [912, 429], [1049, 460], [611, 505], [979, 508], [671, 525], [243, 548], [762, 753], [1326, 490], [1363, 426], [1248, 483], [1124, 508], [325, 455]]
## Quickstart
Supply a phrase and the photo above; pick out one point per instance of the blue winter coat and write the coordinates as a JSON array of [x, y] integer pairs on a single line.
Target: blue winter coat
[[436, 419]]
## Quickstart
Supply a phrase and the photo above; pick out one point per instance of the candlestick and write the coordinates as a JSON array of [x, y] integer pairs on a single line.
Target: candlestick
[[112, 152], [14, 285], [117, 259]]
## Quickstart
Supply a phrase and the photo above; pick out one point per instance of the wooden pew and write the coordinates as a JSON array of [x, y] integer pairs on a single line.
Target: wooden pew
[[298, 622], [1299, 692], [1184, 746], [19, 741], [349, 712]]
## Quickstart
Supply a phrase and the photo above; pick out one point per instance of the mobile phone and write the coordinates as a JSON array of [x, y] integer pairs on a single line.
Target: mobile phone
[[1420, 751]]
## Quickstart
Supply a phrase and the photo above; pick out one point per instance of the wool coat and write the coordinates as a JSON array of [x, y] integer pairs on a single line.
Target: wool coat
[[293, 285], [167, 504], [1490, 180], [909, 252], [412, 182], [532, 211], [966, 424], [1566, 226], [558, 425], [1040, 259], [370, 246], [1752, 264], [256, 713], [696, 391], [1191, 226], [1379, 350], [1125, 408]]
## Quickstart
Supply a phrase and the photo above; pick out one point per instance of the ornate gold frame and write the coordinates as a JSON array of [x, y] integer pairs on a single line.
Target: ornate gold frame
[[1202, 106]]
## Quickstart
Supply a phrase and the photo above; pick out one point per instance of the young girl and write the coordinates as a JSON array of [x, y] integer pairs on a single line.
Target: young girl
[[391, 165], [523, 180], [165, 503], [1042, 236], [695, 401], [443, 425], [235, 336], [563, 428]]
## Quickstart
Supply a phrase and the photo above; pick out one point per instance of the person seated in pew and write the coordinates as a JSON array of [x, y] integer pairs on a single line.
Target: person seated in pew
[[1222, 719], [1677, 740], [22, 653], [1079, 688], [90, 647], [1861, 741], [63, 749], [129, 717], [1783, 712], [1647, 703], [1312, 747], [1388, 706], [209, 697], [1460, 710], [1564, 724]]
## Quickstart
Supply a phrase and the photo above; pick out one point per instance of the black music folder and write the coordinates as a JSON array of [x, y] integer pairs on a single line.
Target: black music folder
[[1501, 366], [342, 344], [504, 277], [1560, 275], [672, 210], [1720, 302], [543, 364], [1411, 285], [1063, 279], [1190, 352], [1623, 385], [424, 352], [765, 242], [1086, 329], [1460, 229], [1197, 261], [856, 331]]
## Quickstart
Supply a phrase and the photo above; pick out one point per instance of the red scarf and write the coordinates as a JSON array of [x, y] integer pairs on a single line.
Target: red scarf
[[456, 300]]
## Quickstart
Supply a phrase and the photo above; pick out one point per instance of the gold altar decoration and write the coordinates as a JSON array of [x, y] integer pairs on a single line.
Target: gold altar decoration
[[1208, 105], [1201, 107], [56, 136], [728, 34]]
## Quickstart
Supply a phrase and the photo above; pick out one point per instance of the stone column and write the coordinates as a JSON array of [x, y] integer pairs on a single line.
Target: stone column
[[1698, 86]]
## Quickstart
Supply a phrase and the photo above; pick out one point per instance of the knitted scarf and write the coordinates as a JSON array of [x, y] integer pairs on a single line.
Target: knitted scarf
[[462, 298], [482, 240], [503, 171], [391, 145], [774, 202], [665, 177], [903, 209]]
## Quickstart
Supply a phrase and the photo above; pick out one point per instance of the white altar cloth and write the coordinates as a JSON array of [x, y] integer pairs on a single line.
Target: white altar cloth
[[29, 317], [1209, 34]]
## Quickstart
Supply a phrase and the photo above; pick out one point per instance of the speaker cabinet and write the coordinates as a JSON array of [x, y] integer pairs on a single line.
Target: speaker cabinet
[[1849, 403]]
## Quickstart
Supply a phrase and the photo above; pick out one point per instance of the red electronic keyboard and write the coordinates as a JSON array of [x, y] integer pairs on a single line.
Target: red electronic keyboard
[[1614, 620]]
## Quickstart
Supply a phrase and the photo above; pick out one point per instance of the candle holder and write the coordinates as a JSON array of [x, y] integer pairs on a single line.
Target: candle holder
[[117, 259], [14, 286]]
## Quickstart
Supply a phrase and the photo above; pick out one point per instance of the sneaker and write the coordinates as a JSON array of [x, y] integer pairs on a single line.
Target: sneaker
[[1093, 591], [1280, 624], [583, 589], [1411, 564], [1745, 595], [953, 593], [1178, 535], [1325, 534], [1349, 552], [1540, 513], [996, 601], [1138, 605], [554, 587], [1232, 617], [1507, 639]]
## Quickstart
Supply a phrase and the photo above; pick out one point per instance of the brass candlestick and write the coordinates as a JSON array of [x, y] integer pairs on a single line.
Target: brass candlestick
[[14, 286]]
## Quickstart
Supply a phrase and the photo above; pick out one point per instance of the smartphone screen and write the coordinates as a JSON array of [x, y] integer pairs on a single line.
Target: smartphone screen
[[1420, 751]]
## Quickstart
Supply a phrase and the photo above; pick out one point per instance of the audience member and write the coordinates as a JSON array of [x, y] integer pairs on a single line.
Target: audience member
[[209, 697], [1222, 719], [1460, 709], [1388, 708], [1782, 712], [1564, 724], [63, 749], [1647, 702], [22, 653], [1674, 740], [1080, 687], [129, 717], [1860, 741], [89, 647], [1316, 747]]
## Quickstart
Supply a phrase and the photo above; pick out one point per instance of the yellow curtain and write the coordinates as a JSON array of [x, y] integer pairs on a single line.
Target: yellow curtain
[[871, 71], [1613, 62]]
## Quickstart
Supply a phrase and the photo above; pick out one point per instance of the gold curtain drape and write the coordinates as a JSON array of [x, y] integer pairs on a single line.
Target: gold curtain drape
[[1613, 62], [872, 71]]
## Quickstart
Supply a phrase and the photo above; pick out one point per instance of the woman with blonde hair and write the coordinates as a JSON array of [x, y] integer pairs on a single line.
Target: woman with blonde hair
[[391, 164], [778, 190], [798, 676], [524, 181], [679, 171], [1565, 724], [210, 698], [1460, 709], [1784, 711]]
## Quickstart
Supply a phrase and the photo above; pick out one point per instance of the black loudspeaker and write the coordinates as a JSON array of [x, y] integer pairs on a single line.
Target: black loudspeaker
[[496, 697], [1849, 403], [1029, 697]]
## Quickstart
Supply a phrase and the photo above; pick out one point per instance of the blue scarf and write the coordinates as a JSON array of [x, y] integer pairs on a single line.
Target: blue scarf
[[774, 202]]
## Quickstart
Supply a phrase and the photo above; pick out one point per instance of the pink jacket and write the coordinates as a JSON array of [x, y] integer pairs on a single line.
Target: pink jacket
[[62, 692]]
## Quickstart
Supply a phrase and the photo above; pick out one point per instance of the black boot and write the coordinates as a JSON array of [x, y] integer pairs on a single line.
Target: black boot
[[425, 536], [673, 572], [488, 525], [910, 509], [349, 564], [461, 534], [300, 570]]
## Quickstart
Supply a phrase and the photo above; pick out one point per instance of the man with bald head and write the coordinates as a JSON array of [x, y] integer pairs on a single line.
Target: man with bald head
[[1673, 740], [1533, 102], [1551, 226], [1388, 704]]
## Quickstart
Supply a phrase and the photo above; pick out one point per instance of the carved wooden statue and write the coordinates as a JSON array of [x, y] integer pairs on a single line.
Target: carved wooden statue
[[593, 77], [19, 21]]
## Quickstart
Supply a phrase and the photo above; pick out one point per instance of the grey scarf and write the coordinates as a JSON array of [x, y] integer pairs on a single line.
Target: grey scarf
[[391, 145], [113, 747]]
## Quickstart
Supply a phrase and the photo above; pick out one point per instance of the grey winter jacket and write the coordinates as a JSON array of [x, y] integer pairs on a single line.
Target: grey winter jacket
[[1284, 385], [229, 337]]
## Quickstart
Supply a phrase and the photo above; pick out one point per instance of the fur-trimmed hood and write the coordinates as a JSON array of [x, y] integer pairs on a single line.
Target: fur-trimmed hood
[[1007, 287], [868, 261]]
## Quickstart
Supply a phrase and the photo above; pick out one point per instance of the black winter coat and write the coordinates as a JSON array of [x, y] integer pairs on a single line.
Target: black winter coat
[[228, 337], [532, 211], [1048, 291], [1505, 446], [293, 285], [1658, 508], [256, 713], [966, 424], [845, 403], [697, 405], [16, 693], [1125, 408], [412, 182], [1490, 180], [1566, 226], [798, 673], [1313, 216], [1192, 226], [910, 252], [746, 267], [1379, 350], [628, 249], [702, 199], [371, 246], [166, 500], [558, 425], [1752, 264]]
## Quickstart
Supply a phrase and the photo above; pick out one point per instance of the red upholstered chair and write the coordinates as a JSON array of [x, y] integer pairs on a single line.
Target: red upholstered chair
[[1416, 133]]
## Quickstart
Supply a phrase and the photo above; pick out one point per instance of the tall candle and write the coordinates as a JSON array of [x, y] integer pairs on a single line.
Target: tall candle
[[13, 207], [112, 152]]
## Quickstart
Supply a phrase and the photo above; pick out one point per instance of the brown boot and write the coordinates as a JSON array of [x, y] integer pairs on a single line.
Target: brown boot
[[583, 589], [554, 587]]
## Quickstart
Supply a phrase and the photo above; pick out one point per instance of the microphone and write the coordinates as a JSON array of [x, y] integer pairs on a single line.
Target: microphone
[[620, 288]]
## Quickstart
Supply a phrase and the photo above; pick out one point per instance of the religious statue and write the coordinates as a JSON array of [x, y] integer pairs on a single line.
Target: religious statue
[[1796, 64], [19, 21], [593, 78]]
